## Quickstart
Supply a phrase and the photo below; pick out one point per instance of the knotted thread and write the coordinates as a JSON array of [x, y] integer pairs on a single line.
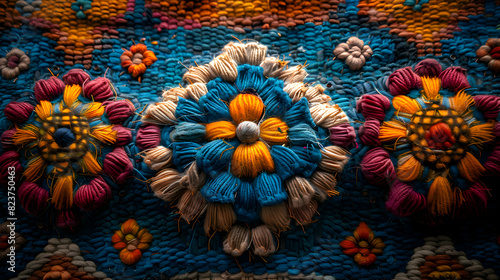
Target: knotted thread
[[94, 195]]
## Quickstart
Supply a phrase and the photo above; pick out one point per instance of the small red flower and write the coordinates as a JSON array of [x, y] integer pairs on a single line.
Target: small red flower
[[363, 246]]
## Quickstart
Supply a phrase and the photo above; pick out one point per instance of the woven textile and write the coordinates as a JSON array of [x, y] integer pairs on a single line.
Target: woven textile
[[112, 67]]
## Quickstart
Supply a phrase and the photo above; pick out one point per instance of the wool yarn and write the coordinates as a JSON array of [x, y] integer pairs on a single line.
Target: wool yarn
[[247, 142], [354, 52], [418, 133], [94, 195], [18, 111], [48, 89], [61, 139], [15, 62], [99, 89], [131, 240], [76, 77], [489, 54]]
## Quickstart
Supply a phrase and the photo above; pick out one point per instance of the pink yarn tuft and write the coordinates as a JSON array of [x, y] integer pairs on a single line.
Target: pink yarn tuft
[[428, 68], [67, 219], [99, 89], [123, 135], [9, 159], [496, 130], [342, 135], [7, 141], [120, 110], [33, 197], [94, 195], [49, 89], [492, 164], [454, 78], [76, 77], [489, 105], [377, 167], [475, 201], [403, 200], [117, 165], [18, 112], [373, 106], [369, 131], [148, 136], [402, 81]]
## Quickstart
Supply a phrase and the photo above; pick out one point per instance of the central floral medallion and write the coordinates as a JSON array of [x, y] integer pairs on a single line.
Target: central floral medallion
[[248, 145]]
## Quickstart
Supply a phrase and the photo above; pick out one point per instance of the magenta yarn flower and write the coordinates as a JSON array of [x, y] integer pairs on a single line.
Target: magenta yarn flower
[[70, 144], [435, 141]]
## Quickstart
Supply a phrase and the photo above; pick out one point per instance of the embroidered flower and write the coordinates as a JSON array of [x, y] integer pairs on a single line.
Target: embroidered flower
[[137, 60], [244, 144], [70, 148], [437, 139], [14, 63], [363, 246], [354, 52], [131, 241], [489, 53]]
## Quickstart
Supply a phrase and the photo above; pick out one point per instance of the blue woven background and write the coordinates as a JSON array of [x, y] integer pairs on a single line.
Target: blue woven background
[[312, 249]]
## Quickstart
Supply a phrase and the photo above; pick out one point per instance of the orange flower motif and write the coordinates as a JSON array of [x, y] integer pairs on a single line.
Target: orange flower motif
[[131, 241], [137, 60], [252, 156], [363, 246]]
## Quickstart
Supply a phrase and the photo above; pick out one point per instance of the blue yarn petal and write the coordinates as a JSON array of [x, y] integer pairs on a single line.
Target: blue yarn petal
[[222, 189], [214, 106], [215, 156], [299, 113], [246, 206], [189, 111], [311, 157], [267, 89], [286, 162], [183, 154], [275, 98], [223, 90], [302, 135], [188, 132], [269, 189], [249, 77]]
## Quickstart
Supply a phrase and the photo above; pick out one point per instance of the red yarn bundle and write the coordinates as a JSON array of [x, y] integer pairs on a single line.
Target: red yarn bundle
[[377, 167], [94, 195], [123, 135], [489, 105], [18, 112], [342, 135], [428, 68], [99, 89], [369, 131], [49, 89], [373, 106], [33, 197], [119, 110], [7, 141], [402, 81], [454, 78], [492, 164], [76, 77], [148, 136], [404, 201], [118, 165], [9, 159]]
